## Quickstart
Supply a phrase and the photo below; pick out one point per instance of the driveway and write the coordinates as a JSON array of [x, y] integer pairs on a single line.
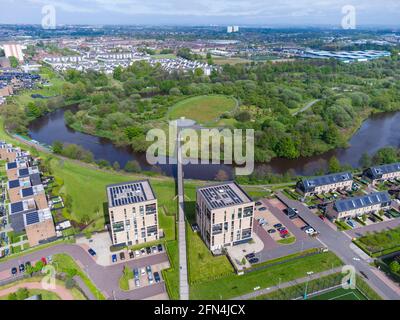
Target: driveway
[[104, 277]]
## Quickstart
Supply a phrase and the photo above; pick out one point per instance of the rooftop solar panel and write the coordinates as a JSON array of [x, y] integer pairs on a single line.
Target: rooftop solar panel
[[27, 192], [11, 165], [363, 201], [13, 184], [32, 218], [23, 172], [17, 207]]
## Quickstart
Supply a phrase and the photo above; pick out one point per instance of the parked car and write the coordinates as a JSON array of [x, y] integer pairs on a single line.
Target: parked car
[[92, 252], [21, 267], [271, 231], [321, 217], [142, 251], [136, 273], [137, 253], [150, 278], [281, 229], [114, 258], [137, 283], [143, 271], [43, 259], [148, 250], [122, 256], [258, 203], [49, 259], [363, 274], [14, 271], [148, 269], [262, 209], [154, 249], [160, 248], [157, 277], [373, 219], [278, 225], [131, 254], [254, 260], [250, 256]]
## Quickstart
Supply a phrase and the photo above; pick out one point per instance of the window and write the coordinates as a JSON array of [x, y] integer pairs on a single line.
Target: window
[[151, 231], [118, 226], [240, 213], [151, 208], [248, 212], [217, 228]]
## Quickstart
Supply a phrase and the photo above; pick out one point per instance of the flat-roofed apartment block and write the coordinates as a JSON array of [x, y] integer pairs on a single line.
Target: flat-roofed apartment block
[[20, 192], [383, 173], [10, 154], [133, 212], [224, 213], [324, 184], [358, 206], [39, 227], [4, 147]]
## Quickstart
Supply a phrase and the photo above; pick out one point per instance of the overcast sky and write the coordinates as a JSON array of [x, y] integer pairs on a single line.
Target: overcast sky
[[197, 12]]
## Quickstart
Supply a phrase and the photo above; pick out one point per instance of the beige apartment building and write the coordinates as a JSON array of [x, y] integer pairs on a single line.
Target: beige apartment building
[[133, 213], [224, 214], [358, 206], [325, 184]]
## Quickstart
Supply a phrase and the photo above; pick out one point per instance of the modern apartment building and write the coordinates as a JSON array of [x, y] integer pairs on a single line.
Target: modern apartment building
[[358, 206], [327, 183], [224, 213], [382, 173], [133, 213]]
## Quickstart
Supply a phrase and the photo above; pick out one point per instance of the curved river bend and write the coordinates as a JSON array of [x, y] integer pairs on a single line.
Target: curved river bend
[[378, 131]]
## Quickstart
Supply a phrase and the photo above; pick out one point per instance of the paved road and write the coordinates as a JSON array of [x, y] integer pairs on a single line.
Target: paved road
[[306, 107], [287, 284], [183, 272], [340, 244], [105, 278]]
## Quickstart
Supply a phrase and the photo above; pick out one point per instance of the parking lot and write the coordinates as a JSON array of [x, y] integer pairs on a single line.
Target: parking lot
[[147, 276], [123, 255]]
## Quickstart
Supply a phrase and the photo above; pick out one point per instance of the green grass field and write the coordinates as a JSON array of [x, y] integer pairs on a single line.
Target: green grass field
[[340, 294], [203, 109]]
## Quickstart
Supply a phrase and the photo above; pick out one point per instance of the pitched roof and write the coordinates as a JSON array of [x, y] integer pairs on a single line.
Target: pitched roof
[[362, 201]]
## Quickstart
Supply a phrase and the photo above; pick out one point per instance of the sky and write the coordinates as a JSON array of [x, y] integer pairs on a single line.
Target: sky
[[203, 12]]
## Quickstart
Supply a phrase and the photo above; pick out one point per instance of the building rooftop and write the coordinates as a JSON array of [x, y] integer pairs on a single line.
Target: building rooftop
[[362, 201], [378, 171], [224, 195], [326, 180], [37, 216], [22, 206], [129, 193]]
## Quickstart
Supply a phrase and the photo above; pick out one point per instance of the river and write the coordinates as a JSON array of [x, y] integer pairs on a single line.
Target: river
[[378, 131]]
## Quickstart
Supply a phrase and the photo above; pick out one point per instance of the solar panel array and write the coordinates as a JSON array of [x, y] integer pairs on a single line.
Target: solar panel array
[[17, 207], [124, 194], [327, 180], [32, 218], [23, 172], [384, 169], [11, 165], [221, 196], [27, 192], [363, 201], [13, 184]]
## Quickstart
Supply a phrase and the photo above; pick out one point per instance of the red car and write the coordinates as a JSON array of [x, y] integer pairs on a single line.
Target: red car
[[283, 232], [44, 260], [322, 217]]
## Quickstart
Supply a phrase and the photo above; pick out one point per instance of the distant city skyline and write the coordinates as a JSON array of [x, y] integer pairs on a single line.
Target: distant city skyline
[[203, 12]]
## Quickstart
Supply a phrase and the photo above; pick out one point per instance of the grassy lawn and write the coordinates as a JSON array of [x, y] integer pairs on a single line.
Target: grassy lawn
[[379, 243], [287, 241], [340, 294], [126, 276], [171, 275], [203, 266], [46, 295], [234, 285], [203, 109], [64, 263]]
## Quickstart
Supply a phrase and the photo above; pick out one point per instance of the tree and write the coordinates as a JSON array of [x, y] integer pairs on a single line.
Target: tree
[[69, 283], [243, 116], [334, 165], [13, 62], [22, 294], [57, 147], [221, 175], [395, 266], [116, 166], [132, 166], [386, 156], [365, 160]]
